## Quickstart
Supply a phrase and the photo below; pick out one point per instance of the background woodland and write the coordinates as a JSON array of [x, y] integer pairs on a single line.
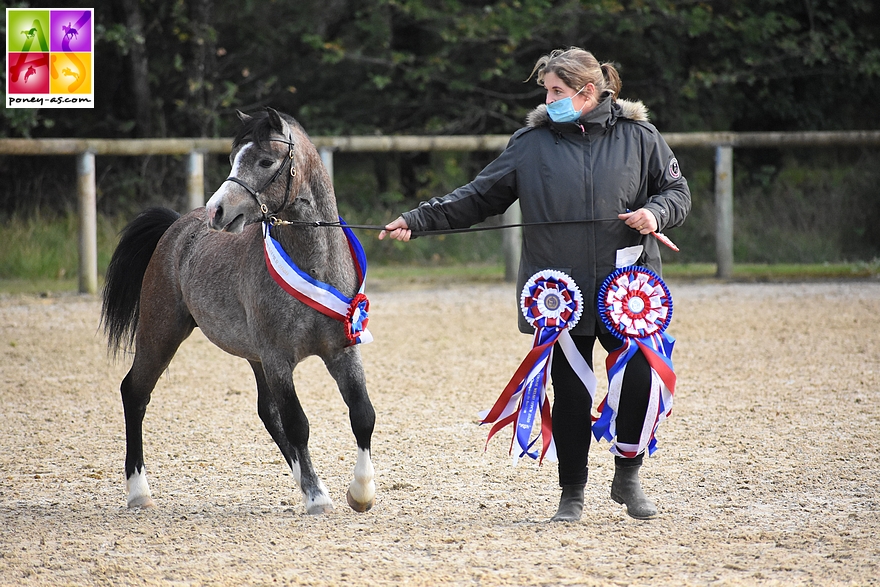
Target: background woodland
[[355, 67]]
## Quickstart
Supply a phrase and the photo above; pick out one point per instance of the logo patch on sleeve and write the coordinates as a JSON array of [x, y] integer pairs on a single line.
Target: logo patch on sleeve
[[674, 169]]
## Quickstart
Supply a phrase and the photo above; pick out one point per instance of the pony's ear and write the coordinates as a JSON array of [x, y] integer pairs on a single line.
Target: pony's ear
[[242, 116], [275, 120]]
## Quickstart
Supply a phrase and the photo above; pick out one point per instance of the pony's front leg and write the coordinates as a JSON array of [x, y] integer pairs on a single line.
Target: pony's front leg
[[283, 417], [361, 494], [347, 370]]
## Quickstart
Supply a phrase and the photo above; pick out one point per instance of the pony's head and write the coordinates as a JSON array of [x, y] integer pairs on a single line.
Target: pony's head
[[269, 155]]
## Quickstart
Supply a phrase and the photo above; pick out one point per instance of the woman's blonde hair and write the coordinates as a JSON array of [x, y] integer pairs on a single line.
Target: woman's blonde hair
[[577, 68]]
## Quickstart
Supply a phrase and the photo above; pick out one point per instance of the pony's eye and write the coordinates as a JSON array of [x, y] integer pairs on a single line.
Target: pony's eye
[[266, 163]]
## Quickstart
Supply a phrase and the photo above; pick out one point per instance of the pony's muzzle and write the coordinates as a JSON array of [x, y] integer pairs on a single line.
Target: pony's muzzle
[[224, 219], [215, 215]]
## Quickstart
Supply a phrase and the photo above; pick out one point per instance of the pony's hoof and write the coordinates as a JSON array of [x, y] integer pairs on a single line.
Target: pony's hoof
[[320, 509], [356, 505], [144, 502]]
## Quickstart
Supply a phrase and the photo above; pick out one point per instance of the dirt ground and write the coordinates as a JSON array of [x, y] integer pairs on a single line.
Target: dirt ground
[[768, 472]]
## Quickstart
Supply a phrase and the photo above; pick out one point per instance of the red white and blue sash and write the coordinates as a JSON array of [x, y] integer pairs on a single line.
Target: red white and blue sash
[[552, 303], [320, 296], [636, 306]]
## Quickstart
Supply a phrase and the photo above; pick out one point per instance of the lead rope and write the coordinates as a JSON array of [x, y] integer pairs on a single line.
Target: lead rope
[[322, 223]]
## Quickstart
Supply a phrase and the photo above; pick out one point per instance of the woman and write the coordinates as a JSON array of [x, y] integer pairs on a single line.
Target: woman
[[584, 155]]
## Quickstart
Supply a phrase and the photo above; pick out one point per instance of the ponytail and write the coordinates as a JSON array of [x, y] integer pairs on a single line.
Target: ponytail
[[612, 79]]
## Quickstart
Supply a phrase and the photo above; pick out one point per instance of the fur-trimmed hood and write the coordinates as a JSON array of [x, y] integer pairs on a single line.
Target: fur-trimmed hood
[[628, 109]]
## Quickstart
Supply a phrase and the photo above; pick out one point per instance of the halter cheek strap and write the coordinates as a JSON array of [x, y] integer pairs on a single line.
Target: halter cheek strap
[[269, 216]]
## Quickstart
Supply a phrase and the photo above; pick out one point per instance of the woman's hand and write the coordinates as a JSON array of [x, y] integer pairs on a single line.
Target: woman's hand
[[397, 230], [641, 220]]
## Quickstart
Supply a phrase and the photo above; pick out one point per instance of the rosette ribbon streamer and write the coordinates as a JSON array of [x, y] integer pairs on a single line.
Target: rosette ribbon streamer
[[636, 306], [552, 303], [323, 297]]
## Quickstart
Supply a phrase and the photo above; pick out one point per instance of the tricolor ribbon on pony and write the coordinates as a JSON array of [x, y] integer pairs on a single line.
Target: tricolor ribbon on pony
[[320, 296], [636, 306], [552, 303]]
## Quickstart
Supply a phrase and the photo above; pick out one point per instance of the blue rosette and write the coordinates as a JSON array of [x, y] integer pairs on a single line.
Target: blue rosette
[[636, 306], [634, 302]]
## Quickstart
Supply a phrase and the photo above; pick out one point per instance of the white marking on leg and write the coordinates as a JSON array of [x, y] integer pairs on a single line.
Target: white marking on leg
[[297, 474], [363, 488], [321, 502], [138, 490]]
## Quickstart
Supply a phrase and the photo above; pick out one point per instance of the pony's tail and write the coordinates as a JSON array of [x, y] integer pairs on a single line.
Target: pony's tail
[[125, 275]]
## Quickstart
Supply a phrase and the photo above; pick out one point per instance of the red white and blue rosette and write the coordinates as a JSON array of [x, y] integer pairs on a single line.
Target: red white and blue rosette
[[636, 306], [551, 302], [634, 302]]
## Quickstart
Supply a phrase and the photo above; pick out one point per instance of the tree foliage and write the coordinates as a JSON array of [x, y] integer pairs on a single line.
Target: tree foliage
[[181, 68], [458, 66]]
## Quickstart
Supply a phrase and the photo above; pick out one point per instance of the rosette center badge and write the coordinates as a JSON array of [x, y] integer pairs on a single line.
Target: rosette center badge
[[551, 299]]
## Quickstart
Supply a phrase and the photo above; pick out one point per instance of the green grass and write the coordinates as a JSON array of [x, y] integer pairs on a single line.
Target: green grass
[[411, 275], [39, 256], [40, 286], [776, 272], [390, 277], [46, 249]]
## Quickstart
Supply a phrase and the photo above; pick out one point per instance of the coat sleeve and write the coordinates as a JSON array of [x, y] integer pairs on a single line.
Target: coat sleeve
[[490, 193], [669, 196]]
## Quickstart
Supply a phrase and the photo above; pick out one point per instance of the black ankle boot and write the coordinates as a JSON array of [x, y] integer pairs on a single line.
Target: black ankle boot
[[626, 489], [571, 504]]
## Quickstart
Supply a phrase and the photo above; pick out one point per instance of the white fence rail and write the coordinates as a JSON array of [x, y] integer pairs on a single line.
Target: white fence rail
[[87, 149]]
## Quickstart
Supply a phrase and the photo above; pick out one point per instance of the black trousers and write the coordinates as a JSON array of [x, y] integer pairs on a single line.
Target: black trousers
[[572, 405]]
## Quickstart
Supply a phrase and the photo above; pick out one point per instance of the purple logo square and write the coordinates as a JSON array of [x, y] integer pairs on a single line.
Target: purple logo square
[[71, 30]]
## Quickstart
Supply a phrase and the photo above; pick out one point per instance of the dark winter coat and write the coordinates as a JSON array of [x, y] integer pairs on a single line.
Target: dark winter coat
[[609, 161]]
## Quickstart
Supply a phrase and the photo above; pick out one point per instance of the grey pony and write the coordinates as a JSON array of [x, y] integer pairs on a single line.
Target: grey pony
[[207, 269]]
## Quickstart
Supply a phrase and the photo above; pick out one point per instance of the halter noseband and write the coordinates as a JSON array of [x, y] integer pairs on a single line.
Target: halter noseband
[[270, 216]]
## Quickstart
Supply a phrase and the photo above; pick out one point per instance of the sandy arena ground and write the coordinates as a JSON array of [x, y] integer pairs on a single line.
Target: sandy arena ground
[[768, 472]]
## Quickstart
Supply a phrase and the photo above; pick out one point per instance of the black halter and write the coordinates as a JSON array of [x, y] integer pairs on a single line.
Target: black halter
[[270, 216]]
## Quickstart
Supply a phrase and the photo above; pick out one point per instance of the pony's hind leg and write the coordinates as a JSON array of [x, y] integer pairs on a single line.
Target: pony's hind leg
[[142, 304], [286, 422], [156, 345], [347, 370], [134, 403], [136, 390]]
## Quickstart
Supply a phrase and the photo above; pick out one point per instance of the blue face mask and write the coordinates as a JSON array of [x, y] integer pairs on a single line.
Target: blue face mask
[[563, 110]]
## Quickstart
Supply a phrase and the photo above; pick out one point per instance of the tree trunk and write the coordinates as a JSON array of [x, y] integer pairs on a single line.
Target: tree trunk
[[201, 82], [137, 55]]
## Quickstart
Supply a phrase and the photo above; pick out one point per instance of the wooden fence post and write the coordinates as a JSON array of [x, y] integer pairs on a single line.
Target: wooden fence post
[[88, 223], [327, 159], [724, 210], [196, 180], [511, 239]]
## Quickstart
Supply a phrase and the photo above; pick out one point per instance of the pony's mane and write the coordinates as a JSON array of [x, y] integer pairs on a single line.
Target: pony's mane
[[258, 129]]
